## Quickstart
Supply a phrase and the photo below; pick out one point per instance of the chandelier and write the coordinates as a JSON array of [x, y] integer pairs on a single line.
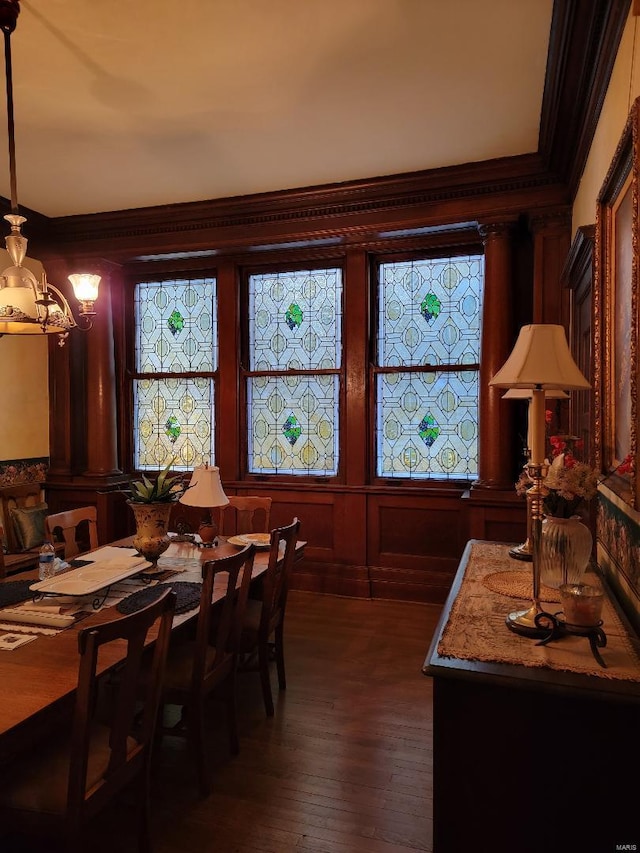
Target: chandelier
[[30, 305]]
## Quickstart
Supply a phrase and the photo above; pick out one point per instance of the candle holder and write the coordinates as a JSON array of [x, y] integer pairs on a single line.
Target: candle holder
[[555, 627], [525, 621], [524, 551]]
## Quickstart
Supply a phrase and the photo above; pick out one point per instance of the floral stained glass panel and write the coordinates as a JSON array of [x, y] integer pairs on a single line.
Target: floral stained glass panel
[[176, 332], [427, 424], [295, 323], [173, 421], [430, 315], [293, 424], [295, 320], [176, 326], [430, 312]]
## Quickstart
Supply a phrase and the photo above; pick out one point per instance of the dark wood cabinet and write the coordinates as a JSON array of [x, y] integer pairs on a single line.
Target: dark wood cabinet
[[531, 758]]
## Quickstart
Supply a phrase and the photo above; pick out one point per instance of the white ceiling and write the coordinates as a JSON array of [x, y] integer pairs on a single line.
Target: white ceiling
[[128, 103]]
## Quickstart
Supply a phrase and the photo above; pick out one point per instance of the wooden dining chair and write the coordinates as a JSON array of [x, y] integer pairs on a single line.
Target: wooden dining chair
[[77, 528], [245, 515], [195, 669], [57, 788], [264, 618]]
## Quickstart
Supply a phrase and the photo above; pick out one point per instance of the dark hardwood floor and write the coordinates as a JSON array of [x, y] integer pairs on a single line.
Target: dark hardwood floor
[[345, 766]]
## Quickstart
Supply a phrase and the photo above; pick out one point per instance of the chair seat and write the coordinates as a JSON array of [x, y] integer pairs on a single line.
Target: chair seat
[[179, 671], [39, 782]]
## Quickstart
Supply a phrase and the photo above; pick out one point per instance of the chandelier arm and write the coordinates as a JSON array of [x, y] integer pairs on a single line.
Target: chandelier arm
[[64, 303]]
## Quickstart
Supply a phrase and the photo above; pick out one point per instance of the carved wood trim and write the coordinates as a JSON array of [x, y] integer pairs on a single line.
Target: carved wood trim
[[583, 44], [317, 212], [580, 258]]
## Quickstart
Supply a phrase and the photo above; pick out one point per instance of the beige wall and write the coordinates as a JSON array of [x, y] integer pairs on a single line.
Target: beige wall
[[24, 408], [623, 89]]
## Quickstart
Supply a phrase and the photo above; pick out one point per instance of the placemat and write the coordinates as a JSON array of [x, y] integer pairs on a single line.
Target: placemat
[[12, 592], [519, 584], [476, 628], [187, 597]]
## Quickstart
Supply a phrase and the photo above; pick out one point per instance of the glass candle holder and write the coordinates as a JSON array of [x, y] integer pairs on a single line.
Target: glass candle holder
[[582, 604]]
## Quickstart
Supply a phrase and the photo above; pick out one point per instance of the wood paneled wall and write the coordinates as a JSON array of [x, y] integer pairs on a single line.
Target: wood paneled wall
[[364, 537]]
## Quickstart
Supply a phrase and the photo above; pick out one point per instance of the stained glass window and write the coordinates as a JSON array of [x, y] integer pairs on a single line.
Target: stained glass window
[[176, 334], [295, 325], [428, 345]]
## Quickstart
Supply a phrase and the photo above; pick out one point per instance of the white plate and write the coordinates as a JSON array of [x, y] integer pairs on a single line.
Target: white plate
[[96, 576], [262, 541]]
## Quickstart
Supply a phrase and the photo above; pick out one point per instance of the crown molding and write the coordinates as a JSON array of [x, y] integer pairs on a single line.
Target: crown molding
[[583, 44]]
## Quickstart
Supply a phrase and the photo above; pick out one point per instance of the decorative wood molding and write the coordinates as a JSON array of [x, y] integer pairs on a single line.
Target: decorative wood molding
[[580, 258], [583, 44], [315, 215]]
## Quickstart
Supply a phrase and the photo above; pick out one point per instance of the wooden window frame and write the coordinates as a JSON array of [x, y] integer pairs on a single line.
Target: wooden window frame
[[440, 251], [245, 373]]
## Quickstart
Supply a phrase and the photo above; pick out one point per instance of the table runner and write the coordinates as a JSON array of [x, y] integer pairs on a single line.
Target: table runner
[[476, 628], [168, 566]]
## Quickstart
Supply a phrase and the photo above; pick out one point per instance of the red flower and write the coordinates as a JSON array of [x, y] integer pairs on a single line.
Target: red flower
[[570, 460], [548, 415], [627, 465]]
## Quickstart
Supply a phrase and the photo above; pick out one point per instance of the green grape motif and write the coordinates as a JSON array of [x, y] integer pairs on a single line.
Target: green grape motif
[[294, 316], [291, 429], [175, 322], [172, 429], [430, 307], [428, 430]]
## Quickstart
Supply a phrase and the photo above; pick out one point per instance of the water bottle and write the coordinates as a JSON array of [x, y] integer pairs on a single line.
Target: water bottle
[[46, 561]]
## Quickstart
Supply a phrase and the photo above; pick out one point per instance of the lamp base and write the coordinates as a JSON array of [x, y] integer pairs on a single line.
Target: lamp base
[[207, 532], [524, 622], [522, 552]]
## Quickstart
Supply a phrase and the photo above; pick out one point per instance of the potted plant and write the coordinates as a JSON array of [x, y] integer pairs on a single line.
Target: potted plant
[[151, 501]]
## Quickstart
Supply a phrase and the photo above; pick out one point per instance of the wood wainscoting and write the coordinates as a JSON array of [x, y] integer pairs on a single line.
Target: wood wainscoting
[[390, 543]]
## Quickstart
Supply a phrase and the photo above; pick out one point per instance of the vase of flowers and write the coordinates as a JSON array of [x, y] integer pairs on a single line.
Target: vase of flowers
[[151, 502], [566, 543]]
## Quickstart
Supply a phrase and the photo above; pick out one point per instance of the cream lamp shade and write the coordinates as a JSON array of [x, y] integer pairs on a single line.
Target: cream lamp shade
[[540, 361], [205, 489]]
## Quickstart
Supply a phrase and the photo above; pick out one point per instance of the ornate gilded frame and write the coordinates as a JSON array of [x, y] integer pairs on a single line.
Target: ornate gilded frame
[[615, 316]]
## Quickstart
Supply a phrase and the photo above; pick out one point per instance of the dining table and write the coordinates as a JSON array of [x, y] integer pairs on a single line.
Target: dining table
[[39, 678]]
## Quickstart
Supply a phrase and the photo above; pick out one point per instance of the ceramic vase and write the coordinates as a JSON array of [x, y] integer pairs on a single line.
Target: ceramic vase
[[152, 522], [565, 549]]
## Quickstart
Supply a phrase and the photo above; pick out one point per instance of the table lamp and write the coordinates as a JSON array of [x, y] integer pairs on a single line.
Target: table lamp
[[205, 490], [525, 550], [540, 361]]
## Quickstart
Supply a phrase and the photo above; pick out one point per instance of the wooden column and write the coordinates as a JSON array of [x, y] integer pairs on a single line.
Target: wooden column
[[230, 425], [356, 440], [66, 390], [101, 416], [495, 427]]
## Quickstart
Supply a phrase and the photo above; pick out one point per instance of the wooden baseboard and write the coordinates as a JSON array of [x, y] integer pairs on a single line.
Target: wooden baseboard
[[427, 586]]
